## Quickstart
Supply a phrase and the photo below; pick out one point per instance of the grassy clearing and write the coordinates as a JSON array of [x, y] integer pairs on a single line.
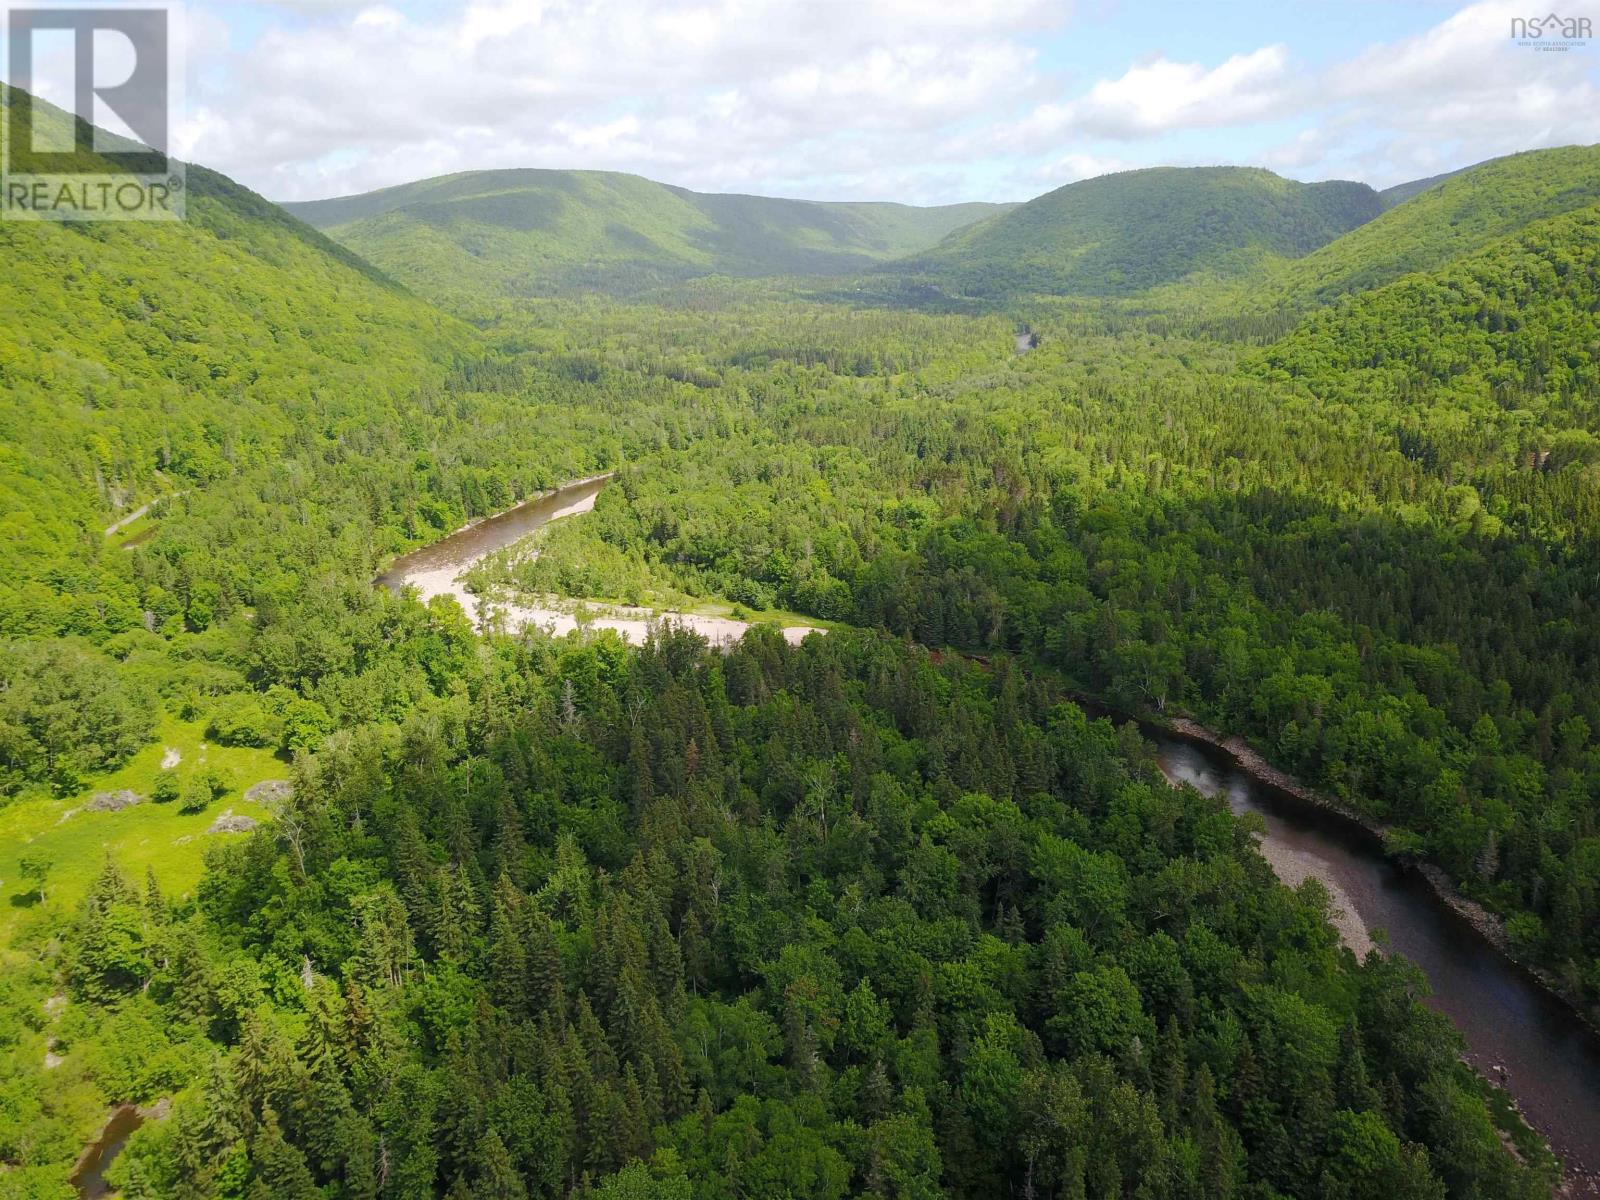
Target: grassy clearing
[[156, 836], [95, 1067], [138, 533]]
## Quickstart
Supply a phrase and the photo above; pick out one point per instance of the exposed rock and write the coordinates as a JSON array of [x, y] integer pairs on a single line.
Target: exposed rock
[[113, 801], [230, 823], [270, 792], [170, 759]]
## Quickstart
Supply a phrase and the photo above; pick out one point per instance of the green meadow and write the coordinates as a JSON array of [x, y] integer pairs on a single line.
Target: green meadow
[[144, 836]]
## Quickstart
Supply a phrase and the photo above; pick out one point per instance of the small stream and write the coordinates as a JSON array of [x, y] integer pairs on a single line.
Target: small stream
[[89, 1176]]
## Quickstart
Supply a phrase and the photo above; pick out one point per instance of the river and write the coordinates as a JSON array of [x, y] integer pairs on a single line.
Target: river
[[432, 568], [436, 570], [89, 1176], [1517, 1033]]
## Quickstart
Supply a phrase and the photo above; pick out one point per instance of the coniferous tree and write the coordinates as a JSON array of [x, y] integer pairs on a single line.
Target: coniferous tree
[[280, 1170], [497, 1177]]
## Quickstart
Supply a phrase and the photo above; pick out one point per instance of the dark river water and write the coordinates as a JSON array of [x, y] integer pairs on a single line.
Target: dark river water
[[465, 547], [89, 1176], [1551, 1060]]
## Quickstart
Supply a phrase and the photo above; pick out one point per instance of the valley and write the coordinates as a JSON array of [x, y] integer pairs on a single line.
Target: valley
[[1517, 1033], [486, 527]]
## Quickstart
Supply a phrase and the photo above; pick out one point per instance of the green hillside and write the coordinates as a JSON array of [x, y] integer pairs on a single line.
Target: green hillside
[[541, 232], [1495, 354], [1447, 219], [283, 409], [1129, 231], [1402, 192], [138, 359]]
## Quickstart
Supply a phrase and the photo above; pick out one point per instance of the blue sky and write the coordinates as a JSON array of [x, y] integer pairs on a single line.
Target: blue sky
[[926, 101]]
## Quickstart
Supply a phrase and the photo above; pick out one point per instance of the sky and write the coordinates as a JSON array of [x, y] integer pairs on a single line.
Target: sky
[[921, 101]]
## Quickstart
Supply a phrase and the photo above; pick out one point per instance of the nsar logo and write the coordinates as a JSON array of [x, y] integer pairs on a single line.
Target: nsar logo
[[1551, 32]]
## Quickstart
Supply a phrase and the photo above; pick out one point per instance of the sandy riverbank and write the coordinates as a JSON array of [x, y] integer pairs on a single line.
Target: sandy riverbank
[[1486, 924], [508, 613], [1291, 865]]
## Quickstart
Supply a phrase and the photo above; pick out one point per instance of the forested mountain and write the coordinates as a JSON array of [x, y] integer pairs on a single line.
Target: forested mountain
[[142, 359], [544, 233], [1121, 233], [1447, 219], [1498, 348], [1401, 192]]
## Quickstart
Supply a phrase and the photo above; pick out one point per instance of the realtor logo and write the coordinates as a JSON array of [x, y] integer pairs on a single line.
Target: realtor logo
[[101, 151], [1552, 32]]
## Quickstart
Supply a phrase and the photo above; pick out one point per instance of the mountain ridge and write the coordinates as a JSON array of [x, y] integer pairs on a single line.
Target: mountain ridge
[[1130, 230], [537, 231]]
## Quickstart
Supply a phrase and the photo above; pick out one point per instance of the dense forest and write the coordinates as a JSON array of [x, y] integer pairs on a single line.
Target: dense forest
[[1401, 609], [883, 913], [821, 922]]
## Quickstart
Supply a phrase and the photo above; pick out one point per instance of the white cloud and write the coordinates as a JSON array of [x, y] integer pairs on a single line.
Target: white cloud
[[1070, 168], [1161, 96], [1461, 92], [894, 99], [1307, 147], [1462, 53], [1456, 93], [708, 92]]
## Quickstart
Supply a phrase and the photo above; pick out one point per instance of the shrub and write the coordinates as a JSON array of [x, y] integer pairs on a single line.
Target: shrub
[[196, 794], [305, 724], [240, 720], [1525, 933], [65, 712], [168, 787]]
